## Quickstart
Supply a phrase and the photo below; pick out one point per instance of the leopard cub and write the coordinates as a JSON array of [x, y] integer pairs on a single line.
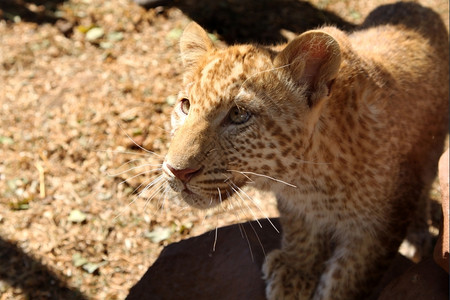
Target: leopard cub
[[345, 128]]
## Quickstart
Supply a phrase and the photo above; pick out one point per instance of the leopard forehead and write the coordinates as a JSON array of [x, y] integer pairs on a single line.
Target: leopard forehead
[[226, 75]]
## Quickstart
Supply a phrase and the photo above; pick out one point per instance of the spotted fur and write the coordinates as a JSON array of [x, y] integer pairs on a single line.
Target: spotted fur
[[345, 129]]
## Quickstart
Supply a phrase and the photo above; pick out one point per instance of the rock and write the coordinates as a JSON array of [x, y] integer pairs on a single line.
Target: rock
[[200, 268], [424, 281]]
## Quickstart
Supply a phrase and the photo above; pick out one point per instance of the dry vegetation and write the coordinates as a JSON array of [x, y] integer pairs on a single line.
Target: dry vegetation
[[78, 80]]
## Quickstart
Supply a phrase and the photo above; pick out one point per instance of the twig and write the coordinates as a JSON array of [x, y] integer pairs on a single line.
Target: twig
[[41, 179]]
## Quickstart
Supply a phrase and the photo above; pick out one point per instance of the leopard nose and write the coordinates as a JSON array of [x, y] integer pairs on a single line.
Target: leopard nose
[[183, 174]]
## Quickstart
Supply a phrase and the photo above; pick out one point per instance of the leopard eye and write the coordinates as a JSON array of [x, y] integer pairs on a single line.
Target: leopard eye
[[238, 115], [185, 105]]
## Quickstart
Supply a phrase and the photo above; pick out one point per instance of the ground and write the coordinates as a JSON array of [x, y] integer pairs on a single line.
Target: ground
[[85, 85]]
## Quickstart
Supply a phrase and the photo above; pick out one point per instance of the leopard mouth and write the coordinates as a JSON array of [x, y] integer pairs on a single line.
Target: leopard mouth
[[205, 192]]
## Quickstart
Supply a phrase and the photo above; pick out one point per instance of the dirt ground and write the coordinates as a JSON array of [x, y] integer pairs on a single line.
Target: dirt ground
[[84, 84]]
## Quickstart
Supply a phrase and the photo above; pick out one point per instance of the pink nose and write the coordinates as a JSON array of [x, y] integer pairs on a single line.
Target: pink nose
[[184, 174]]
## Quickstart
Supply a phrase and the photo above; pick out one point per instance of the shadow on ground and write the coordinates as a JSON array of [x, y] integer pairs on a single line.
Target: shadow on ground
[[37, 11], [247, 21], [19, 270]]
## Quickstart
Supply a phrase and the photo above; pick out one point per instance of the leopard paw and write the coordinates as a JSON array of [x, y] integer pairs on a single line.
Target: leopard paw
[[283, 281]]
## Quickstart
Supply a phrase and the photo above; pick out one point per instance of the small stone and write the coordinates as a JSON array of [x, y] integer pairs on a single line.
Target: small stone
[[95, 34]]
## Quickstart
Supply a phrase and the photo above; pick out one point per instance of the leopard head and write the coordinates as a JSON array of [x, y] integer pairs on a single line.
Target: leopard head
[[245, 113]]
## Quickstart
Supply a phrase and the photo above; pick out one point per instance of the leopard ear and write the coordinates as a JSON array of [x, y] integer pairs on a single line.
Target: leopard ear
[[194, 43], [313, 60]]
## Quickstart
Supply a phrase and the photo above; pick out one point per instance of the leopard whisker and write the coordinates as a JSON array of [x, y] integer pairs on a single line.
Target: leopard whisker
[[126, 207], [242, 210], [135, 197], [134, 168], [149, 187], [130, 203], [265, 71], [132, 161], [183, 207], [137, 188], [142, 173], [137, 145], [164, 194], [265, 176], [163, 129], [258, 207], [230, 203], [251, 211], [125, 152], [215, 237], [220, 196], [257, 237], [154, 193], [311, 162], [246, 176], [244, 233]]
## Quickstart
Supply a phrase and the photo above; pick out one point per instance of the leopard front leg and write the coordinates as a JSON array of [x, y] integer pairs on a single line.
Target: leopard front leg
[[355, 267], [293, 271], [284, 281]]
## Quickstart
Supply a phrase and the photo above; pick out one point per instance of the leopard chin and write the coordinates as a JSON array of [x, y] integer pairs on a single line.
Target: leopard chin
[[200, 201], [197, 201]]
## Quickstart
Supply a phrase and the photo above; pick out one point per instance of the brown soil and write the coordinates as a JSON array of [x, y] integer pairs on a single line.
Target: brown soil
[[81, 79]]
